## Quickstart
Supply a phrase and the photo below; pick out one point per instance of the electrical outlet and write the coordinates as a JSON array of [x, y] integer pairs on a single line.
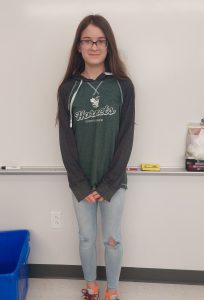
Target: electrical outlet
[[56, 219]]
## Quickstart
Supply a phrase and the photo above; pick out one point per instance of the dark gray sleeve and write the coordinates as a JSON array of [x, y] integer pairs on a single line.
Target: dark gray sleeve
[[77, 180], [113, 178]]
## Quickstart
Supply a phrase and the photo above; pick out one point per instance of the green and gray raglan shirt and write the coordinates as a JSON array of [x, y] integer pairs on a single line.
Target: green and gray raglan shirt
[[96, 127]]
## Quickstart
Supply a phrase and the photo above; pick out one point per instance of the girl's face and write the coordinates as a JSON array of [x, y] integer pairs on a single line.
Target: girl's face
[[94, 54]]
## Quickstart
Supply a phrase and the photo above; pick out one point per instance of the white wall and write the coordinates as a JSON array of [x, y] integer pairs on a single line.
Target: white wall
[[162, 222], [160, 41]]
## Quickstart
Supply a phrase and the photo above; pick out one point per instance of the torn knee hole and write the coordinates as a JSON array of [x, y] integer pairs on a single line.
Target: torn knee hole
[[112, 242]]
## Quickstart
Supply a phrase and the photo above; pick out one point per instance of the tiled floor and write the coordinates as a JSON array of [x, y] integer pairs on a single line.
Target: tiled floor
[[66, 289]]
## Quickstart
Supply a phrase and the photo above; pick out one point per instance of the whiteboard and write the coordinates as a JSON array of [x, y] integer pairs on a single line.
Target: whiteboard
[[161, 42]]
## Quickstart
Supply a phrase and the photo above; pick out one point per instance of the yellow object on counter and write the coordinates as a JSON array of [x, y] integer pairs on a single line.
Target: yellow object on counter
[[150, 167]]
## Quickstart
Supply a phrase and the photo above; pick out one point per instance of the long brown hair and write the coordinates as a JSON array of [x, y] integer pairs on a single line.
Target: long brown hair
[[113, 63]]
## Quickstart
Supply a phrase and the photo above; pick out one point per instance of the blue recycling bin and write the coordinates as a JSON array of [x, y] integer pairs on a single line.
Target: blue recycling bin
[[14, 251]]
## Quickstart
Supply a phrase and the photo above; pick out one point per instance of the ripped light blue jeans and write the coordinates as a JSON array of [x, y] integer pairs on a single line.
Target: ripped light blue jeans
[[111, 214]]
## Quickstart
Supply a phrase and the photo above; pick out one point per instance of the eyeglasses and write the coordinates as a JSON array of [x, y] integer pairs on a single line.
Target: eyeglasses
[[87, 44]]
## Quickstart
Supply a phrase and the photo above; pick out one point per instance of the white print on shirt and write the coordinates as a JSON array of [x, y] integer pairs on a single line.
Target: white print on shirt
[[104, 111], [94, 120], [95, 101]]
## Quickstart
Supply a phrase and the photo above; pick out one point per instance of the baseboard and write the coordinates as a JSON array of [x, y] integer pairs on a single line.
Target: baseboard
[[127, 274]]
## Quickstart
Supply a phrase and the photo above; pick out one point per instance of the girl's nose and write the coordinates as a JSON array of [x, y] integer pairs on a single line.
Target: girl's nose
[[94, 47]]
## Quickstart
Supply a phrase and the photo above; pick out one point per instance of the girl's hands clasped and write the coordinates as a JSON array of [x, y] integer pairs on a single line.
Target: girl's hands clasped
[[93, 197]]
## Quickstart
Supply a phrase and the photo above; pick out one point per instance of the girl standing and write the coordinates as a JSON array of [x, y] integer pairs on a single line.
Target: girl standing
[[96, 127]]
